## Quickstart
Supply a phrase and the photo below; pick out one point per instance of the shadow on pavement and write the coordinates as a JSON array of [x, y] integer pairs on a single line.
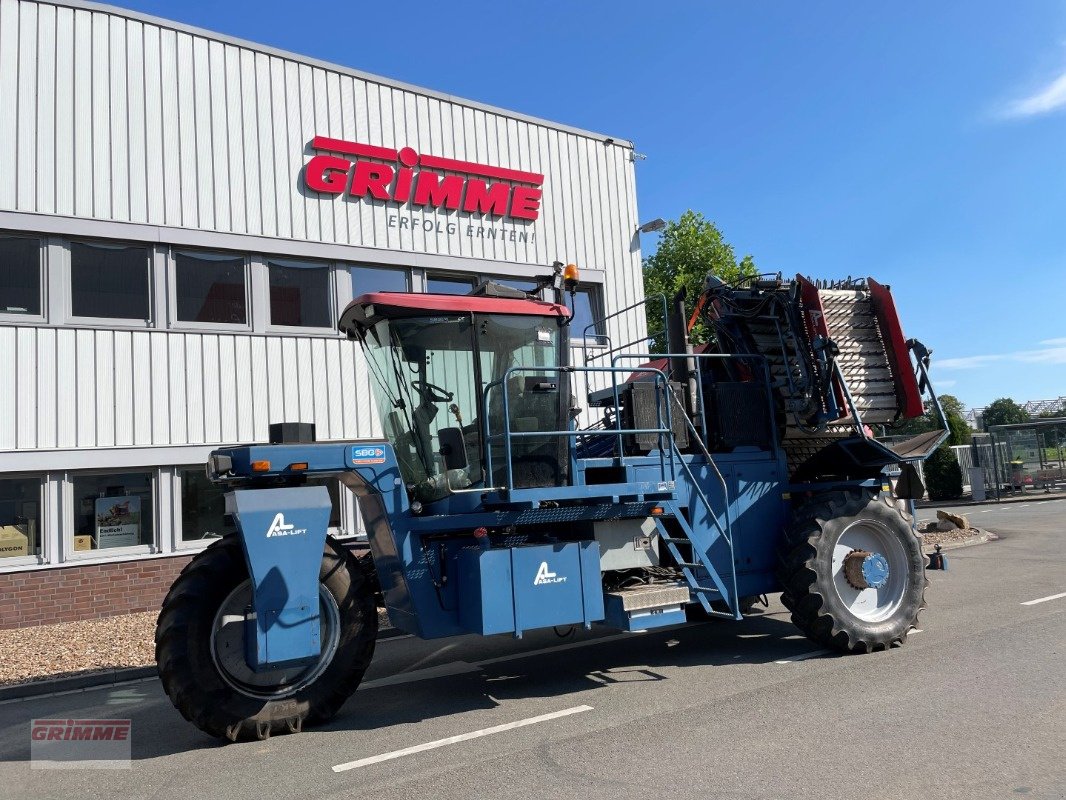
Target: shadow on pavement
[[158, 729]]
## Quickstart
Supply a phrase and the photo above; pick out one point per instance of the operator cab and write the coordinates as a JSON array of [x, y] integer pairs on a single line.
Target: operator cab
[[448, 370]]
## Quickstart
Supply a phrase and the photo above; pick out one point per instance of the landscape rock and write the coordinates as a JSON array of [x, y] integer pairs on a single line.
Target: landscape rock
[[957, 520]]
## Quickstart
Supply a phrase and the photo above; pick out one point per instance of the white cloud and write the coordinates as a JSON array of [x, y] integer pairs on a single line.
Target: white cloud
[[966, 362], [1052, 352], [1049, 355], [945, 384], [1051, 97]]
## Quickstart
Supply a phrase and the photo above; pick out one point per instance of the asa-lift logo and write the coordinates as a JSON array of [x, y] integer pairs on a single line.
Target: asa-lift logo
[[546, 576], [422, 180], [279, 527]]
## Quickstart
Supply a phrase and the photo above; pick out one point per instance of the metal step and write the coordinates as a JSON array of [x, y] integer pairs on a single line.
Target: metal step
[[656, 595]]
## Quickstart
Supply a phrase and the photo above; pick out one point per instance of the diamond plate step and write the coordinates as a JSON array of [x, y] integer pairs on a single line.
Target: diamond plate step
[[654, 596]]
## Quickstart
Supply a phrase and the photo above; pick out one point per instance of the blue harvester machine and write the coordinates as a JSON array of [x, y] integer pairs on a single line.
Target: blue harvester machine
[[712, 476]]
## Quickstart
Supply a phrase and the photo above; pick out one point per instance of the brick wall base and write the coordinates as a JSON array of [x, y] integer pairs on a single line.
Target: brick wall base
[[67, 594]]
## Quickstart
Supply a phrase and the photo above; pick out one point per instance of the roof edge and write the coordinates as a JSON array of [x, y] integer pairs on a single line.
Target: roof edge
[[162, 22]]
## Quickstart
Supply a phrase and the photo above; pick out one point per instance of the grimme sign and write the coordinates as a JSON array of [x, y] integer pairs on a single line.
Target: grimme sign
[[80, 743], [404, 176]]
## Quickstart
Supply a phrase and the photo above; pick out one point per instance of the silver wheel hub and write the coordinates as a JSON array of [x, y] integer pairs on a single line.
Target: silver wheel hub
[[228, 648], [870, 570]]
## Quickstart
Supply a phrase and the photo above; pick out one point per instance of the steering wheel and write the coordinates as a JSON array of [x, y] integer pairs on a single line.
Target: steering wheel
[[432, 392]]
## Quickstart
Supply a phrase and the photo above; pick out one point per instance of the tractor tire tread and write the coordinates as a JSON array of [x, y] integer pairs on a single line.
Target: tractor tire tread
[[805, 595], [191, 680]]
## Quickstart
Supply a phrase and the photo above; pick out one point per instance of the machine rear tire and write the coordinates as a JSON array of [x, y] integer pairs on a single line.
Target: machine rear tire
[[825, 605], [214, 701]]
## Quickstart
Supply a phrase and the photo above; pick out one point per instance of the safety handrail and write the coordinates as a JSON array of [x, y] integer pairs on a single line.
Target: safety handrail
[[603, 340], [663, 431]]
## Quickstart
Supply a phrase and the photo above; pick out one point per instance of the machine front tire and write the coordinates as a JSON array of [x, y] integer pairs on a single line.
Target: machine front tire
[[188, 633], [835, 608]]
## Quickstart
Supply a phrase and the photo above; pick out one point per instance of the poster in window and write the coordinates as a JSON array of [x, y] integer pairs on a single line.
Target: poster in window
[[118, 521]]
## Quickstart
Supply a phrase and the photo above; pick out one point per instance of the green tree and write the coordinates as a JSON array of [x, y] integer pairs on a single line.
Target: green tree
[[959, 429], [689, 248], [952, 405], [943, 475], [1004, 411]]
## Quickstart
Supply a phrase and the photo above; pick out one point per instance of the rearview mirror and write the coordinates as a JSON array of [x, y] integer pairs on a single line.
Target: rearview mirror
[[909, 485], [452, 445]]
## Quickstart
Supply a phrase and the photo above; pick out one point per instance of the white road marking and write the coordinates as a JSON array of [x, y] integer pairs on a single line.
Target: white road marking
[[462, 737], [804, 656], [915, 630], [441, 671], [1044, 599], [986, 511]]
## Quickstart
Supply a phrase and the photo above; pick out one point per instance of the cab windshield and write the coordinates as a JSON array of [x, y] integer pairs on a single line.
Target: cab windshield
[[430, 374]]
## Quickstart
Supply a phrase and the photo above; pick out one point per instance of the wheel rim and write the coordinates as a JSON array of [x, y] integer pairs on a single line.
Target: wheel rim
[[227, 648], [881, 550]]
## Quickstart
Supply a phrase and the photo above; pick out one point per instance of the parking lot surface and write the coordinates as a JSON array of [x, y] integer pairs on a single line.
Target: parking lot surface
[[972, 707]]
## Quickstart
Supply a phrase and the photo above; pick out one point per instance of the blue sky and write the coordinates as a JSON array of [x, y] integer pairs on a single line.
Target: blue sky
[[923, 144]]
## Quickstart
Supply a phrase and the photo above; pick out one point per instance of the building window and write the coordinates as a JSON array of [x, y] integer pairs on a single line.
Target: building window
[[203, 507], [109, 281], [210, 288], [20, 517], [586, 311], [378, 279], [449, 284], [20, 266], [300, 295], [527, 285], [113, 510]]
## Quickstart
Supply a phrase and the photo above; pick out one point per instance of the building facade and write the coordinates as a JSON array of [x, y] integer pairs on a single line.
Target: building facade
[[183, 217]]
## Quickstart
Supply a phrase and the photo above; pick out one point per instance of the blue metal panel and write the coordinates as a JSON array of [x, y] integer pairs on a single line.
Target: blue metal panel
[[548, 586], [522, 588], [486, 604], [284, 532], [319, 457], [761, 512], [757, 511], [591, 582]]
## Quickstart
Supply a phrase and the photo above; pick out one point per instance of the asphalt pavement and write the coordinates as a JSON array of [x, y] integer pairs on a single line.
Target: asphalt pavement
[[973, 706]]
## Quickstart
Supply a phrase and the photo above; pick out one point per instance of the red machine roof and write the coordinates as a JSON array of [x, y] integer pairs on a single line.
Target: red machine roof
[[417, 301]]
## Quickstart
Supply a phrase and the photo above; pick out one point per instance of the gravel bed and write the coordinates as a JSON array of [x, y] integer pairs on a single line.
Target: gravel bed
[[76, 648], [932, 537], [71, 648]]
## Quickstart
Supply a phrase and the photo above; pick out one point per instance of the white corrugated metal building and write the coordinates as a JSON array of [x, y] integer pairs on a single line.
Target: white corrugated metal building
[[167, 255]]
